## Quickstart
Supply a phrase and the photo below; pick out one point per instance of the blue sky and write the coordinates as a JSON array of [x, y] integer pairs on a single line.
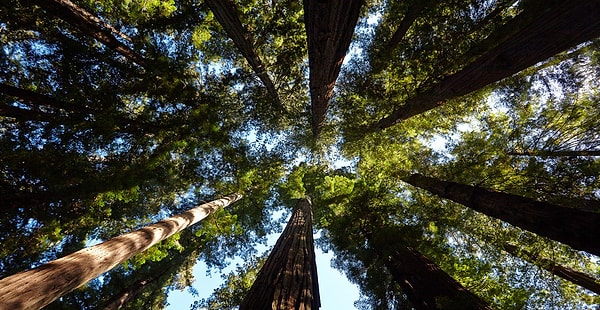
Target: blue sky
[[335, 289]]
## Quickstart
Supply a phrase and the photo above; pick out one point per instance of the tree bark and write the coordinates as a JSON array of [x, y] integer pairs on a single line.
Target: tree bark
[[227, 15], [566, 273], [426, 285], [90, 25], [40, 286], [574, 227], [288, 279], [565, 25], [329, 28], [542, 153]]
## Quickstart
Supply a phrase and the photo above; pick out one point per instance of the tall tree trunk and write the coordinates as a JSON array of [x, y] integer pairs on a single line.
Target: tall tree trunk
[[40, 286], [574, 227], [566, 273], [227, 15], [542, 153], [288, 279], [565, 25], [329, 28], [426, 285], [90, 25]]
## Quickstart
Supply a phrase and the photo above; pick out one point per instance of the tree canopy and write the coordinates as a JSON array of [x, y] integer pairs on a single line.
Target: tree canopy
[[450, 150]]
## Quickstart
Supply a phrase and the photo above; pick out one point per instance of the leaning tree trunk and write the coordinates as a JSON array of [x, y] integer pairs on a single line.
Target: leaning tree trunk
[[426, 285], [565, 25], [329, 28], [566, 273], [117, 301], [227, 15], [288, 279], [40, 286], [90, 25], [574, 227]]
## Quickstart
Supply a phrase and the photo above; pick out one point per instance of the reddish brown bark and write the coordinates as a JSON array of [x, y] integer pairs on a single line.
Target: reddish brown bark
[[90, 25], [566, 273], [565, 25], [227, 15], [574, 227], [329, 28], [288, 279], [40, 286]]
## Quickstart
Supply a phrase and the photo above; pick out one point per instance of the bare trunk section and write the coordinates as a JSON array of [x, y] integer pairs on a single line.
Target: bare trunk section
[[574, 227], [542, 153], [426, 285], [564, 26], [288, 279], [40, 286], [566, 273], [90, 25], [329, 28], [227, 15]]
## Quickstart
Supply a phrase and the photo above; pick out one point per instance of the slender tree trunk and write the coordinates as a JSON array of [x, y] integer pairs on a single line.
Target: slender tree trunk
[[542, 153], [227, 15], [574, 227], [426, 285], [288, 279], [565, 25], [127, 294], [566, 273], [40, 286], [329, 28], [409, 18], [90, 25]]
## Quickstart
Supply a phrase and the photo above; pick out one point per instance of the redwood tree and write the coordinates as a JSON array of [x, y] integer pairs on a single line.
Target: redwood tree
[[40, 286], [288, 279], [571, 226], [565, 25], [329, 29], [227, 15]]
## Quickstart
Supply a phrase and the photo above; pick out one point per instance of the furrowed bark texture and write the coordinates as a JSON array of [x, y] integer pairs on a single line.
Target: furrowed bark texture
[[576, 228], [567, 24], [426, 285], [566, 273], [329, 28], [89, 25], [38, 287], [227, 15], [288, 279]]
